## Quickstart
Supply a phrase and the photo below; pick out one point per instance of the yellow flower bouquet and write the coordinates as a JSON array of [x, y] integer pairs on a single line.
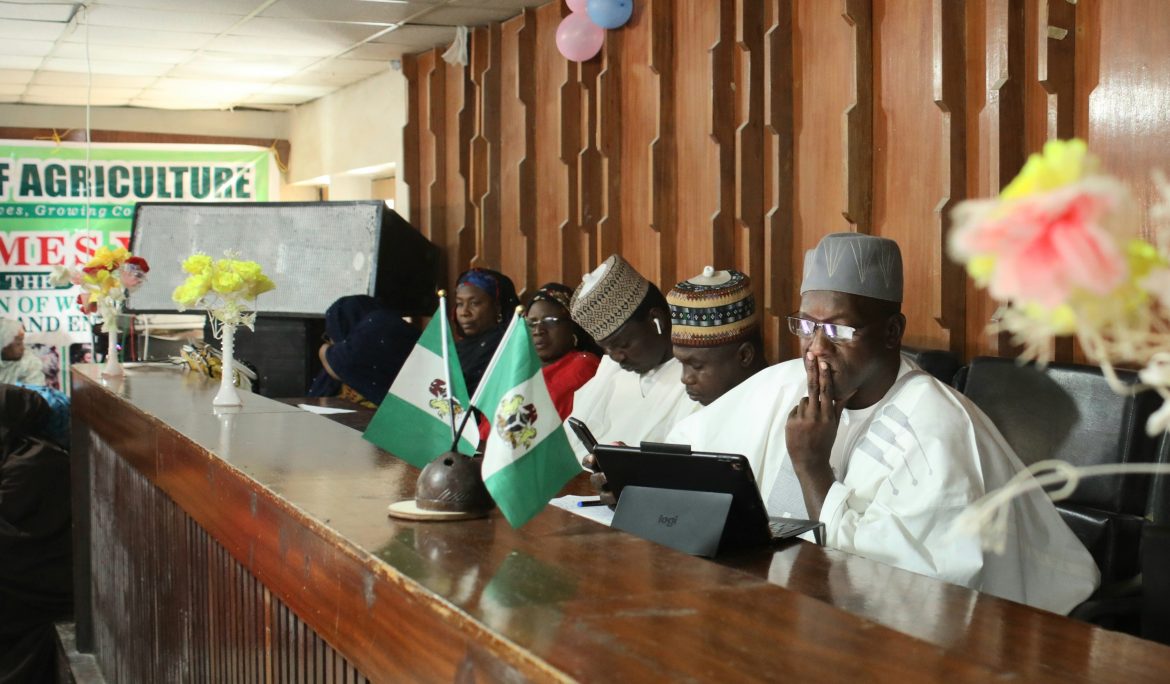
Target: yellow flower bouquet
[[227, 288]]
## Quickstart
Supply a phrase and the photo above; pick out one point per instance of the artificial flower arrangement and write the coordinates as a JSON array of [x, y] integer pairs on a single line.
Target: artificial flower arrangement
[[1061, 250], [227, 288], [105, 280]]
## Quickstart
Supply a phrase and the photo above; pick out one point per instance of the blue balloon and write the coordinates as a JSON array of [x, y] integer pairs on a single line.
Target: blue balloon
[[609, 14]]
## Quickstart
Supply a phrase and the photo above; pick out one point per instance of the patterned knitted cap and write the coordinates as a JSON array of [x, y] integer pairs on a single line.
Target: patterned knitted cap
[[712, 309], [607, 297], [858, 264]]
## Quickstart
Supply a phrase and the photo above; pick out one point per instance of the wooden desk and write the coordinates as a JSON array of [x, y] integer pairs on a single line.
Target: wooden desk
[[255, 547]]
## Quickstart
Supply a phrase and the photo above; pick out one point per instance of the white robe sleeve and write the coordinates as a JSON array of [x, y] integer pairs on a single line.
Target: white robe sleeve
[[907, 480]]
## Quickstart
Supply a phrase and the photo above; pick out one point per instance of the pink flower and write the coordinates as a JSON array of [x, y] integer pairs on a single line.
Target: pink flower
[[1045, 246]]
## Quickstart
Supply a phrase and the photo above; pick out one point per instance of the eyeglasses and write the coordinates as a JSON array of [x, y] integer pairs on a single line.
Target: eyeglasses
[[805, 329], [546, 322]]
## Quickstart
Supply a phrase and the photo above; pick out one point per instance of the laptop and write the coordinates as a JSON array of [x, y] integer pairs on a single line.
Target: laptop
[[680, 475]]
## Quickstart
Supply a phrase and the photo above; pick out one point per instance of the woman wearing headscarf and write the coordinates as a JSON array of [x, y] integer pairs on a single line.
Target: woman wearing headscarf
[[365, 346], [36, 573], [569, 354], [484, 302], [17, 362]]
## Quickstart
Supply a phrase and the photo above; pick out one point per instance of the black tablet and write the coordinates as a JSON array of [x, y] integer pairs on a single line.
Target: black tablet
[[677, 467]]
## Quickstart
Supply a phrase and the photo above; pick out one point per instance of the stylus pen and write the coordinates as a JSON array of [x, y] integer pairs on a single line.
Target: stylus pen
[[590, 502]]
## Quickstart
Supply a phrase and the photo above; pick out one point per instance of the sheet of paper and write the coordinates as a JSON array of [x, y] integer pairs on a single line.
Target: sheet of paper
[[324, 410], [598, 514]]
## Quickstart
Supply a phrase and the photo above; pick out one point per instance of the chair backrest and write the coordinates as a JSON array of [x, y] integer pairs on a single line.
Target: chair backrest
[[1158, 506], [940, 363], [1069, 412]]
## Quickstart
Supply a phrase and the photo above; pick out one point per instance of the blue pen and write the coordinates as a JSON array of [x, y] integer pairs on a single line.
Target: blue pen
[[590, 502]]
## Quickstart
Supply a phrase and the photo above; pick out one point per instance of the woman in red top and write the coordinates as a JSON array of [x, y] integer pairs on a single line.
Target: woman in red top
[[569, 354]]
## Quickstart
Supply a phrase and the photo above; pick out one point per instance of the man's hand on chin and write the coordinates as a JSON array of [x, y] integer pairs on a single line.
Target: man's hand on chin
[[810, 432]]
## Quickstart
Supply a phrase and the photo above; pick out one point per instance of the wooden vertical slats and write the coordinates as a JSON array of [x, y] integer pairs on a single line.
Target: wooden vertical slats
[[858, 14], [466, 243], [410, 138], [950, 93], [999, 132], [479, 153], [609, 88], [749, 142], [1056, 62], [591, 181], [723, 134], [204, 616], [488, 194], [572, 146], [685, 144], [526, 88], [779, 280], [663, 181]]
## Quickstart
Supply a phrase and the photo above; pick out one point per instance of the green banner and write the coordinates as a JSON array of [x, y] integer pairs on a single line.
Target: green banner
[[49, 216]]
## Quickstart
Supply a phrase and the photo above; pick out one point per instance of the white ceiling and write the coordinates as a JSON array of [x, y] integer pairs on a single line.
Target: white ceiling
[[216, 54]]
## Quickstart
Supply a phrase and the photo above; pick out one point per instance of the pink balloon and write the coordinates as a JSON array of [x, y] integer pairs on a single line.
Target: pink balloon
[[578, 38], [577, 5]]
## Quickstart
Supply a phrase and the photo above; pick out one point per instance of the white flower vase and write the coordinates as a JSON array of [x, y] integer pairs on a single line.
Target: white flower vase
[[113, 367], [227, 395]]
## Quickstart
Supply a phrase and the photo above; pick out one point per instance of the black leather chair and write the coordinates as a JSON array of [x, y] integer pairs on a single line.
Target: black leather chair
[[1155, 604], [1069, 412], [940, 363]]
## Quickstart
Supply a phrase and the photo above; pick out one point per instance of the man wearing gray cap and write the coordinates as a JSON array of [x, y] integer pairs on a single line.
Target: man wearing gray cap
[[854, 435]]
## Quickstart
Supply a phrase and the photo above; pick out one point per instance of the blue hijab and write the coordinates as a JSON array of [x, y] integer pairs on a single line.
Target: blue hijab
[[370, 344]]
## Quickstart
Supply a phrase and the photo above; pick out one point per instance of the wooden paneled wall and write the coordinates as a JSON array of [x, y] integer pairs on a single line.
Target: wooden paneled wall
[[737, 132]]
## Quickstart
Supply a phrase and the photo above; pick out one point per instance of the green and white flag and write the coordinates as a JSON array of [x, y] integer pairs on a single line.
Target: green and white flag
[[414, 421], [527, 458]]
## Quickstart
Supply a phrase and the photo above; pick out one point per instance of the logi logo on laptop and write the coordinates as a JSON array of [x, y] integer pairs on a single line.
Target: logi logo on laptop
[[667, 521]]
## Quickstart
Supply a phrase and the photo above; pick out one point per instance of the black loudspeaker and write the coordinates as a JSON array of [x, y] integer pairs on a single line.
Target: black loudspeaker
[[315, 252], [283, 352]]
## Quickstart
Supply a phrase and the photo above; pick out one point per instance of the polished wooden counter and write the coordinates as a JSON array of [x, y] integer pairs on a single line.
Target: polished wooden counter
[[254, 546]]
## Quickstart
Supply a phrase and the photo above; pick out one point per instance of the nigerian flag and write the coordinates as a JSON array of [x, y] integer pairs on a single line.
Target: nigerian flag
[[414, 422], [527, 459]]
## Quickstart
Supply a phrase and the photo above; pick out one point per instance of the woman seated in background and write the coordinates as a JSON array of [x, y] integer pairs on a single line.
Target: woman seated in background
[[366, 344], [17, 363], [484, 302], [569, 354]]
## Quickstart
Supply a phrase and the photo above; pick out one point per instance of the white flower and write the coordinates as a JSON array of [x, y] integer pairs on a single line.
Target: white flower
[[1157, 371], [1159, 420], [60, 276]]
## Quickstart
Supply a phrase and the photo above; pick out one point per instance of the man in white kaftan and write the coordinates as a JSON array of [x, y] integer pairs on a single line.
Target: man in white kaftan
[[623, 406], [883, 454], [904, 468], [637, 394]]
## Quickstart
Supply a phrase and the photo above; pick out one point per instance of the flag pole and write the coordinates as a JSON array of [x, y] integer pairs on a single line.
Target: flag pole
[[487, 374], [446, 337]]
